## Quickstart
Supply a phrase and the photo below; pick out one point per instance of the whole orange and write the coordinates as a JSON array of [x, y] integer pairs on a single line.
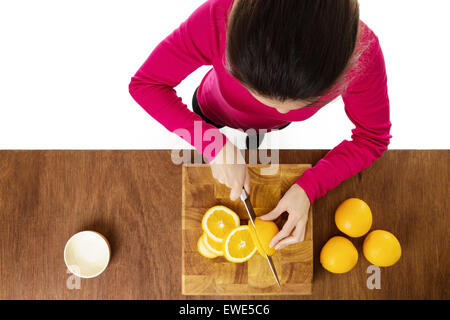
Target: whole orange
[[382, 248], [353, 217], [338, 255]]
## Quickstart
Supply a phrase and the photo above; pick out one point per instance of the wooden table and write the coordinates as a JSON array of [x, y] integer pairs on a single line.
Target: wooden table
[[134, 199]]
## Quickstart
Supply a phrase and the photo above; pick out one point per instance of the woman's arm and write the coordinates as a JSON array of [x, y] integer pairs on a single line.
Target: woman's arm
[[367, 106], [178, 55]]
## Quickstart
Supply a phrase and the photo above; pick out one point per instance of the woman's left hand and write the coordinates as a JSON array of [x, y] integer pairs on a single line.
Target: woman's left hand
[[296, 203]]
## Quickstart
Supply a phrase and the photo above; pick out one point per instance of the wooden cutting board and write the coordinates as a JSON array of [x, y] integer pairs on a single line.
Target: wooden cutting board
[[202, 276]]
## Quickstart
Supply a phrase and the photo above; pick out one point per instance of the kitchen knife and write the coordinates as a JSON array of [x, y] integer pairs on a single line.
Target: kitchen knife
[[251, 214]]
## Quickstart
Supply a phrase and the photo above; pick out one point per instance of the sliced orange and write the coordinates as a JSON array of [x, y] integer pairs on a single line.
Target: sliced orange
[[202, 248], [239, 246], [212, 245], [218, 222]]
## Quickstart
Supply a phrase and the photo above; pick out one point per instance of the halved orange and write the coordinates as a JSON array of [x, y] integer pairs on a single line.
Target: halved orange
[[239, 246], [218, 222]]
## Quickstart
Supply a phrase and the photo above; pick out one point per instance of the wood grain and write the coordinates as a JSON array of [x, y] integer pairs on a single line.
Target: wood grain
[[200, 191], [134, 199]]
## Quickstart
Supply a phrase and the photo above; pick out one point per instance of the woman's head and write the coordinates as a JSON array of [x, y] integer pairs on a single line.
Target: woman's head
[[288, 53]]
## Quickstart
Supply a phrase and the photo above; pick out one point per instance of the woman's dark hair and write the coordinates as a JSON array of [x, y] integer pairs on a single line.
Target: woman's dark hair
[[291, 49]]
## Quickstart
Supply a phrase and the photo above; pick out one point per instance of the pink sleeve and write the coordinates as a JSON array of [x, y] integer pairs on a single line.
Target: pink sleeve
[[178, 55], [367, 106]]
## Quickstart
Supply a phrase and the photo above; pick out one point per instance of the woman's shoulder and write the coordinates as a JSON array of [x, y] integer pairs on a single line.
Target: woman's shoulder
[[368, 43], [220, 8], [366, 51], [219, 11], [205, 28]]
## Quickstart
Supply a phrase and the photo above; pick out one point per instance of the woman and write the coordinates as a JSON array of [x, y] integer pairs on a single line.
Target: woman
[[274, 62]]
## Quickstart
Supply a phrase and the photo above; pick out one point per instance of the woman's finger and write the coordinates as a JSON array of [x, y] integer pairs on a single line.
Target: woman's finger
[[284, 232], [247, 181], [275, 213], [301, 235], [214, 173], [286, 242], [297, 236], [235, 192]]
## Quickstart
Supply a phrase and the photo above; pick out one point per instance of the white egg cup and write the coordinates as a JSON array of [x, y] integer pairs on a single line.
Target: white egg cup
[[87, 254]]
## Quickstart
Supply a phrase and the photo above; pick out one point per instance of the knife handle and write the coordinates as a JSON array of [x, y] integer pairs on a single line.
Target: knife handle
[[243, 195]]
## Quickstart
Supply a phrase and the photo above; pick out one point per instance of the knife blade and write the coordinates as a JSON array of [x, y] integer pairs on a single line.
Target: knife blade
[[252, 216]]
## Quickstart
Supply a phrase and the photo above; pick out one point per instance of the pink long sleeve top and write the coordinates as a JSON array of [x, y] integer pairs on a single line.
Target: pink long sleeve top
[[201, 40]]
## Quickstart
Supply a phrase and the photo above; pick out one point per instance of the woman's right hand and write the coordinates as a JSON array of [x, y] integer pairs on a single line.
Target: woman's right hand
[[230, 171]]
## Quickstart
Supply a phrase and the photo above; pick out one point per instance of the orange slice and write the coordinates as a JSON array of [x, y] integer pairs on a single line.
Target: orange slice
[[212, 245], [239, 246], [203, 250], [218, 222]]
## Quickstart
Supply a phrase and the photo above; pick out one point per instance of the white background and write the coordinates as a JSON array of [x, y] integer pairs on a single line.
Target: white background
[[65, 67]]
